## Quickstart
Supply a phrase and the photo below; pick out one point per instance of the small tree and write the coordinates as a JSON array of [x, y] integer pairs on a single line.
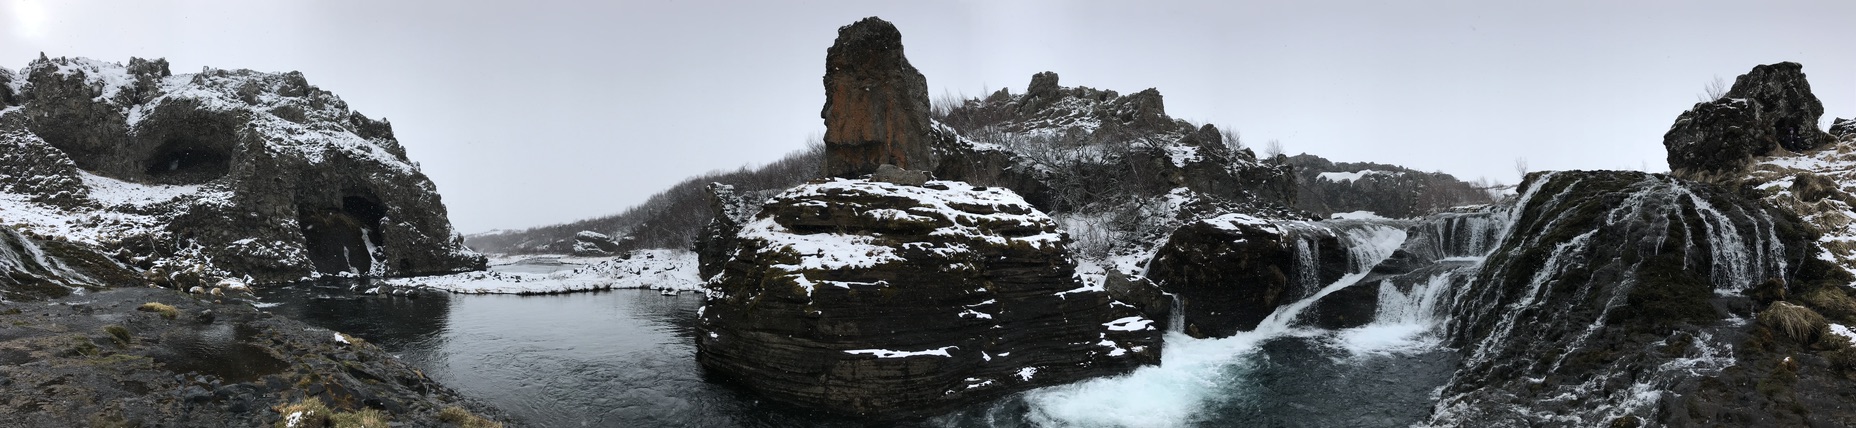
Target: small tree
[[1273, 149], [1715, 90], [1520, 167], [1231, 138]]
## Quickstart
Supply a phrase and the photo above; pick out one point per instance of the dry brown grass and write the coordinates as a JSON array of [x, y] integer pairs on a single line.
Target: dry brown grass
[[464, 418], [1800, 323], [166, 311], [1833, 302]]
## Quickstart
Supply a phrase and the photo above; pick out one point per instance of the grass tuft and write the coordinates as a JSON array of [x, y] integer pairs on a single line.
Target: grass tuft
[[166, 311], [464, 418], [1800, 323], [119, 335]]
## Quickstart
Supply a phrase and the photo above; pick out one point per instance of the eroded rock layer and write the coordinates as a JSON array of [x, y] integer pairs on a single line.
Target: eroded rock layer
[[888, 300]]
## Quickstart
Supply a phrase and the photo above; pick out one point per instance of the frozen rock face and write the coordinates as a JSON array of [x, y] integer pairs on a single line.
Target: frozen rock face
[[1768, 109], [37, 270], [1633, 292], [241, 172], [876, 104], [1843, 129], [886, 300]]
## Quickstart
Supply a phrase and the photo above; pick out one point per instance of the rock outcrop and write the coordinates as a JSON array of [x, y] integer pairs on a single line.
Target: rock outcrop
[[1324, 187], [1623, 289], [1768, 109], [241, 172], [1231, 271], [885, 300], [36, 270], [876, 104], [150, 357], [1065, 148], [588, 243], [1843, 129]]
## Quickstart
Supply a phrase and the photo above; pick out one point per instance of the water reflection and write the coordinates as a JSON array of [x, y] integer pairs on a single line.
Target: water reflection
[[616, 358]]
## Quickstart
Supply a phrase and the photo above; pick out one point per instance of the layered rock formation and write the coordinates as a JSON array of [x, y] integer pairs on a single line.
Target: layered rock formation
[[1768, 109], [1068, 147], [241, 172], [887, 300], [1234, 270], [1324, 187], [1631, 291], [876, 104]]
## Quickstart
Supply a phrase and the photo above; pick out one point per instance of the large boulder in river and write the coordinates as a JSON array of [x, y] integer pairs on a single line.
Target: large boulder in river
[[876, 104], [1233, 270], [1768, 109], [887, 300], [226, 172]]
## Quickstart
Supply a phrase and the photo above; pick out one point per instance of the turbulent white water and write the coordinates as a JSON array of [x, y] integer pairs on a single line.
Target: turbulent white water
[[1197, 372]]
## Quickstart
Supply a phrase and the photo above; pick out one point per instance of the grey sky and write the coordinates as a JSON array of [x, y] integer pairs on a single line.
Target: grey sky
[[529, 113]]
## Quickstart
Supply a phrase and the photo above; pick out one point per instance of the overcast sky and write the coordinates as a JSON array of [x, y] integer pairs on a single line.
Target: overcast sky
[[530, 113]]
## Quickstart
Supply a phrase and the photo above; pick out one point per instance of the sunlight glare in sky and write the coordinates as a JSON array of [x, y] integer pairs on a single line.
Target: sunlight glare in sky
[[29, 18]]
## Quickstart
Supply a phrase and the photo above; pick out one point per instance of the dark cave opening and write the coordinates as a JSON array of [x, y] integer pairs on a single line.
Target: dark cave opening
[[339, 239], [180, 162]]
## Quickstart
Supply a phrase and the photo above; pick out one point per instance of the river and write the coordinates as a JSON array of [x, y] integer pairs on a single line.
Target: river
[[625, 358]]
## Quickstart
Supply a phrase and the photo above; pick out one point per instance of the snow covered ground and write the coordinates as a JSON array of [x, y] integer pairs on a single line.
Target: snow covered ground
[[653, 269]]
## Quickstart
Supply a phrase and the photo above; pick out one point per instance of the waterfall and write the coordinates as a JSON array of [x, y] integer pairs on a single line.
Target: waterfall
[[1176, 320], [1307, 269]]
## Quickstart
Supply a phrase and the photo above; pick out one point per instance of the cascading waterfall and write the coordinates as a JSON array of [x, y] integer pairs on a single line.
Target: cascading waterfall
[[1196, 371]]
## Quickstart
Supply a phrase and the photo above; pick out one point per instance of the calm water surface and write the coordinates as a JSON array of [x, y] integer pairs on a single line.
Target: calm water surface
[[625, 358]]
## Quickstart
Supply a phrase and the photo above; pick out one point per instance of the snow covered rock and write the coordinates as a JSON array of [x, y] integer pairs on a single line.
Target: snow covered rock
[[1234, 270], [239, 172], [588, 243], [1768, 109], [887, 300], [876, 104]]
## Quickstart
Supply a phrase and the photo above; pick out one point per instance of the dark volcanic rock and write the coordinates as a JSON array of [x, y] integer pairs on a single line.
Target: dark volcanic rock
[[102, 360], [35, 270], [1233, 270], [1843, 129], [1387, 190], [1768, 109], [717, 241], [876, 104], [7, 93], [887, 301], [240, 172], [1630, 291], [588, 243]]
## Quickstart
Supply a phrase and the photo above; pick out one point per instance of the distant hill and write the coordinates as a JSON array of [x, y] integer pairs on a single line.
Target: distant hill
[[1325, 187]]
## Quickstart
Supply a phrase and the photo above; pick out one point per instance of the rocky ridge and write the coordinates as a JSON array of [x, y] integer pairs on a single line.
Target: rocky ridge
[[236, 172]]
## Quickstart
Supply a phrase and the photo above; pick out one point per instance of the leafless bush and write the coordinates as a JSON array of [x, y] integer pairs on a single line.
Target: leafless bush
[[1715, 90]]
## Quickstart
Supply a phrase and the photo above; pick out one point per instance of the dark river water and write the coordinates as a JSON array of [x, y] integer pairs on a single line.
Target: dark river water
[[625, 358]]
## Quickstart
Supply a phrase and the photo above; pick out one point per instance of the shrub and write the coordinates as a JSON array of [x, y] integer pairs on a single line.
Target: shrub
[[1800, 323]]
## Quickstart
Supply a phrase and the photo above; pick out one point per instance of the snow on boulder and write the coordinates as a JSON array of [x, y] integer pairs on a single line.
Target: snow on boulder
[[887, 300]]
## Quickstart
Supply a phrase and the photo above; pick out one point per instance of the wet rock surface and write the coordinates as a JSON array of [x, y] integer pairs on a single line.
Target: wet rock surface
[[1768, 109], [886, 301], [1613, 282], [241, 172], [153, 357], [1234, 270]]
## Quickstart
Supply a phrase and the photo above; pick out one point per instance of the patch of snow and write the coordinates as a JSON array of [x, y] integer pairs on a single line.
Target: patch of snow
[[886, 353], [1348, 177], [339, 338], [1025, 374], [659, 269], [1357, 215], [1130, 324]]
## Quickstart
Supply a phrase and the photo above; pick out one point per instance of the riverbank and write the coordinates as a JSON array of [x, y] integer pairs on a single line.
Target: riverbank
[[657, 269], [140, 356]]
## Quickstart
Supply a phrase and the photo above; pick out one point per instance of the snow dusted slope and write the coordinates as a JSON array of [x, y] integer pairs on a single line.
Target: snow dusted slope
[[673, 270], [229, 173], [1817, 186]]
